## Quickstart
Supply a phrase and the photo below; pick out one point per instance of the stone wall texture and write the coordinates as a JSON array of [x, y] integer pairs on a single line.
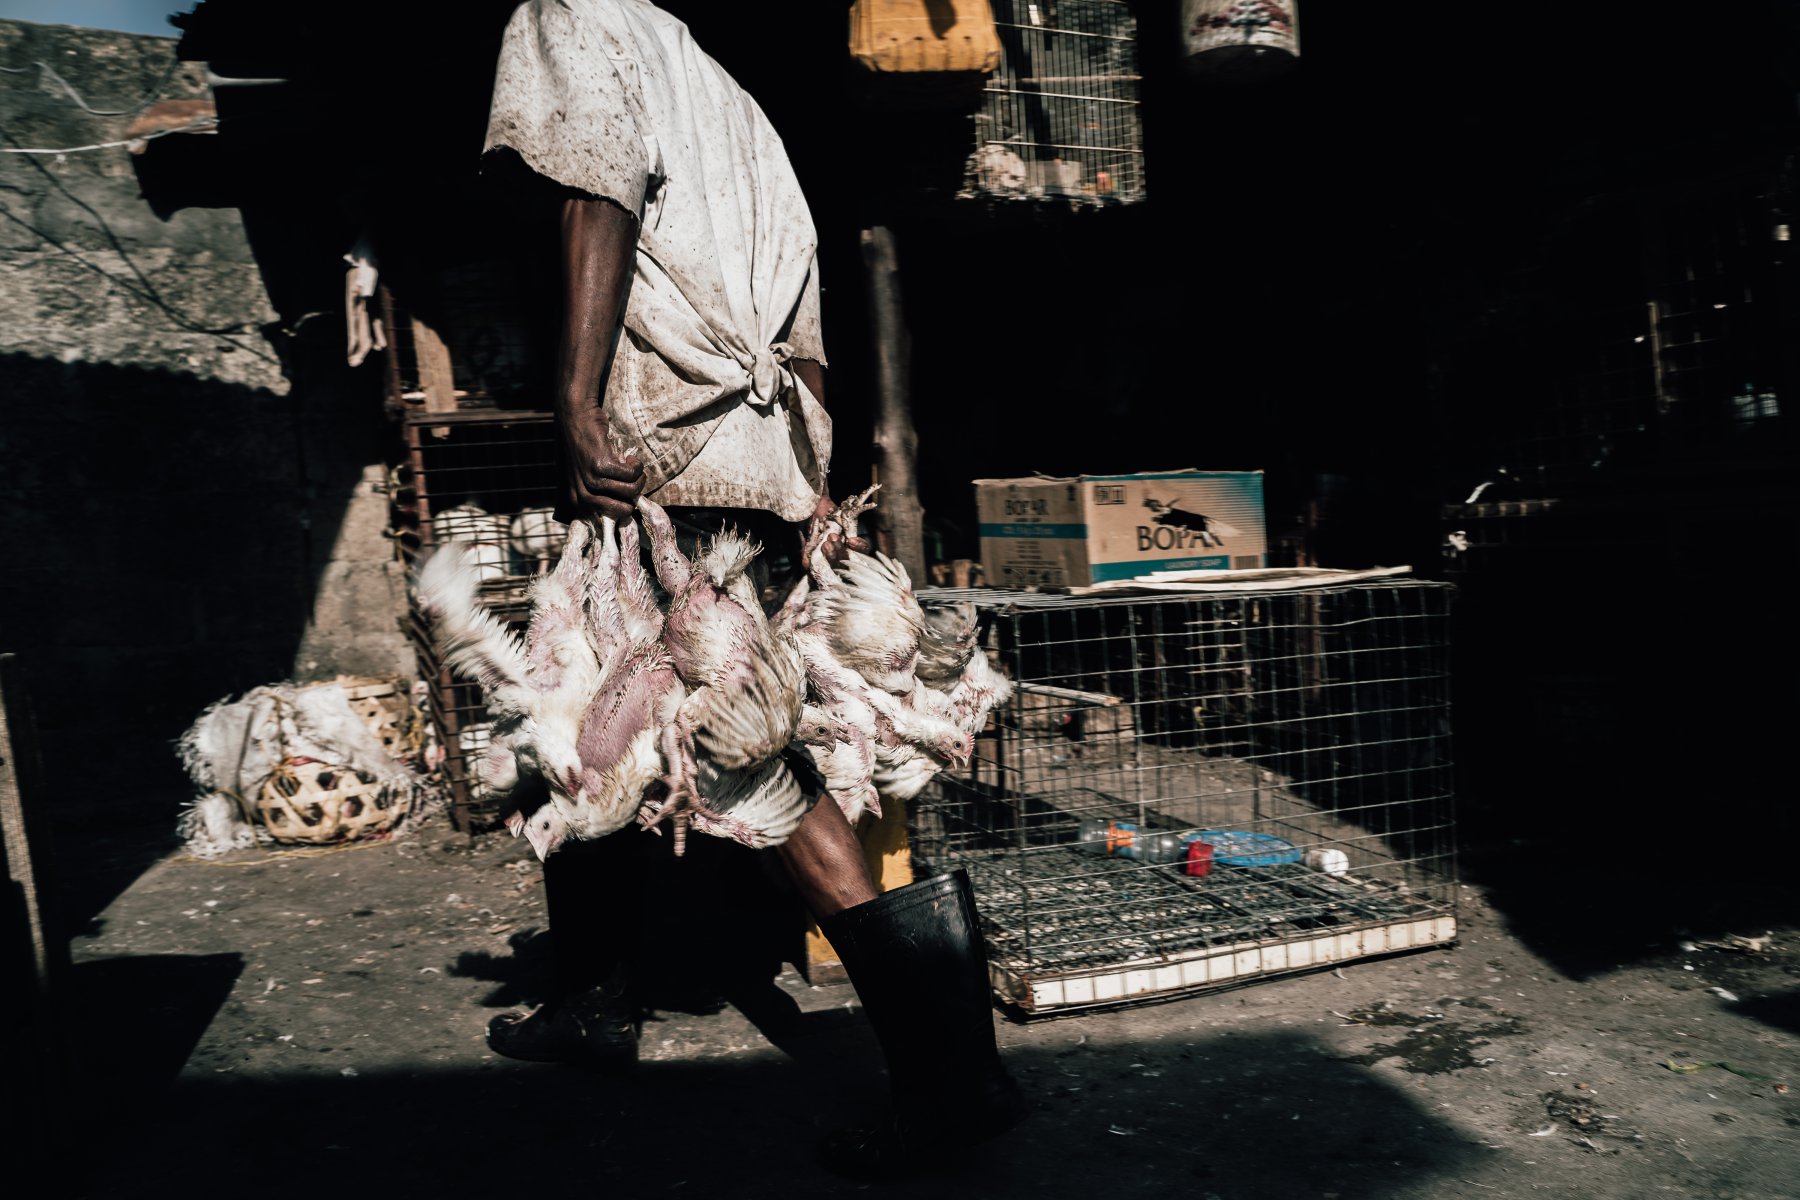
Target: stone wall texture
[[192, 489]]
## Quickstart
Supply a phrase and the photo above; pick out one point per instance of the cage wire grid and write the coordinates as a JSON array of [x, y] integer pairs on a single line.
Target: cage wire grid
[[481, 479], [457, 710], [1059, 118], [1319, 717], [483, 482]]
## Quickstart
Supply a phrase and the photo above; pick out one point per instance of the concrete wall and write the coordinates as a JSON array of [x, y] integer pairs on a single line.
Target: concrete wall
[[190, 479]]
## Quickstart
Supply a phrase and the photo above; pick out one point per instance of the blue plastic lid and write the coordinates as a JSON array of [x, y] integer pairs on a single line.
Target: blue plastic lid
[[1238, 848]]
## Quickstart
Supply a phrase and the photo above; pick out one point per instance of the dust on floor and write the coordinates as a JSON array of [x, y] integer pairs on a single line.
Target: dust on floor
[[311, 1023]]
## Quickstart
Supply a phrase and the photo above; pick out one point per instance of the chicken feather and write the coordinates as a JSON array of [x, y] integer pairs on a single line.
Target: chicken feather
[[746, 688], [580, 704]]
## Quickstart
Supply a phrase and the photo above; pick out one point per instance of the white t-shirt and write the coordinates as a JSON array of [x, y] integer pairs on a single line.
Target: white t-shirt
[[613, 98]]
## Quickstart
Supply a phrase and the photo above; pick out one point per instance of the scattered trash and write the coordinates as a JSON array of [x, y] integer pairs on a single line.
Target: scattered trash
[[1692, 1068], [1577, 1110], [1546, 1131], [1722, 994], [1121, 1130], [1737, 943], [350, 1072], [1781, 1089]]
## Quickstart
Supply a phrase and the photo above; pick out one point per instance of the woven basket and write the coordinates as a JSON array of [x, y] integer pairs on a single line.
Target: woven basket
[[314, 802], [386, 710]]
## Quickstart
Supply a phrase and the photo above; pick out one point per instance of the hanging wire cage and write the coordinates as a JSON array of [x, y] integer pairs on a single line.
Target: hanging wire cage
[[1059, 120], [1198, 790]]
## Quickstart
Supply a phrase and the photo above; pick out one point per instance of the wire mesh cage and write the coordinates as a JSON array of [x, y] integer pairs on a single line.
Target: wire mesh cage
[[482, 482], [1059, 119], [457, 709], [1194, 790]]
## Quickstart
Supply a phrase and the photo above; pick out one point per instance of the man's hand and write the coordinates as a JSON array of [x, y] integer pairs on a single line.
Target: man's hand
[[601, 483], [836, 546]]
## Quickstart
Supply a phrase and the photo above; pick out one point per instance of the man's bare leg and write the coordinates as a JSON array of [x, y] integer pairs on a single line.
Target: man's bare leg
[[826, 862]]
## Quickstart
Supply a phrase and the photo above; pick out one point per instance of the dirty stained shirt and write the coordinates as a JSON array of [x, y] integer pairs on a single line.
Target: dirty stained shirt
[[613, 98]]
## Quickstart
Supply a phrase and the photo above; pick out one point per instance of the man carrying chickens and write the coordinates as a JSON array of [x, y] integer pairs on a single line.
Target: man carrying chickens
[[690, 368]]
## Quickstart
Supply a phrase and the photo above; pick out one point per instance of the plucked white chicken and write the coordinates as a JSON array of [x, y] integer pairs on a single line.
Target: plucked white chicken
[[864, 610], [904, 767], [852, 689], [580, 704], [859, 627], [745, 698]]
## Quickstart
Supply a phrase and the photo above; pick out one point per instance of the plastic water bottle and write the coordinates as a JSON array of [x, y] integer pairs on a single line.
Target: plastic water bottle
[[1123, 839]]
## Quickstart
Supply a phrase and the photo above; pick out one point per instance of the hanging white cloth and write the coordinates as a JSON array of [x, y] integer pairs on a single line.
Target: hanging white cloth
[[363, 332], [613, 98]]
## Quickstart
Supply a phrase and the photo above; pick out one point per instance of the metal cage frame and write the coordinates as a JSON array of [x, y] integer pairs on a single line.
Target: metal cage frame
[[1319, 716]]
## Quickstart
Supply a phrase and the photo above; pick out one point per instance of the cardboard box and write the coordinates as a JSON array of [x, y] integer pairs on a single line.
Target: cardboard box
[[1044, 532]]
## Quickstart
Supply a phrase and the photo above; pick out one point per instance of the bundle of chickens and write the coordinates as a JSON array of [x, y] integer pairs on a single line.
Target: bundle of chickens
[[689, 706]]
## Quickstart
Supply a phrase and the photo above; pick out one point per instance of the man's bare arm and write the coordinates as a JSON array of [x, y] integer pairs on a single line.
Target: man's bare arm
[[812, 374], [599, 244]]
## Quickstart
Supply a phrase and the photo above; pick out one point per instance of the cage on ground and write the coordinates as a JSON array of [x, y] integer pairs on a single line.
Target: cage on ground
[[1194, 790], [484, 481], [457, 710], [480, 484]]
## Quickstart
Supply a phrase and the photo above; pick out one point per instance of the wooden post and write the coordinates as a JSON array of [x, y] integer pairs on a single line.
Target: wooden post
[[34, 947], [436, 376], [895, 438]]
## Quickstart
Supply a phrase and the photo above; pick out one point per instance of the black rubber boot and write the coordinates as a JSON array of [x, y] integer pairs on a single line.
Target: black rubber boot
[[596, 1029], [591, 1017], [916, 958]]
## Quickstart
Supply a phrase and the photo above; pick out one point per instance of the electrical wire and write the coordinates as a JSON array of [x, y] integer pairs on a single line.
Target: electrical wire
[[50, 71], [190, 127]]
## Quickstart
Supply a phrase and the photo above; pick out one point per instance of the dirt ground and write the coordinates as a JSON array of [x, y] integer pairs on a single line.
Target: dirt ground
[[310, 1024]]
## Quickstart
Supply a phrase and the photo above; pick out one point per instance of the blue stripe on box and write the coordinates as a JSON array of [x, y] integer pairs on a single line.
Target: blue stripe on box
[[1249, 478], [1102, 572], [1020, 530]]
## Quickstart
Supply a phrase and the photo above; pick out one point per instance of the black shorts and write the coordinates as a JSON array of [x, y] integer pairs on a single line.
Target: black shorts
[[775, 570]]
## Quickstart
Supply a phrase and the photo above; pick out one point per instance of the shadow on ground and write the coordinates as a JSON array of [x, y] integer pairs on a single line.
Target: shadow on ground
[[1623, 780], [97, 859], [744, 1125], [136, 1021]]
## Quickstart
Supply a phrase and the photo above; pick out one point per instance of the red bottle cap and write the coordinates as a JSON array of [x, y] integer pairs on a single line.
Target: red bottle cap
[[1199, 858]]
